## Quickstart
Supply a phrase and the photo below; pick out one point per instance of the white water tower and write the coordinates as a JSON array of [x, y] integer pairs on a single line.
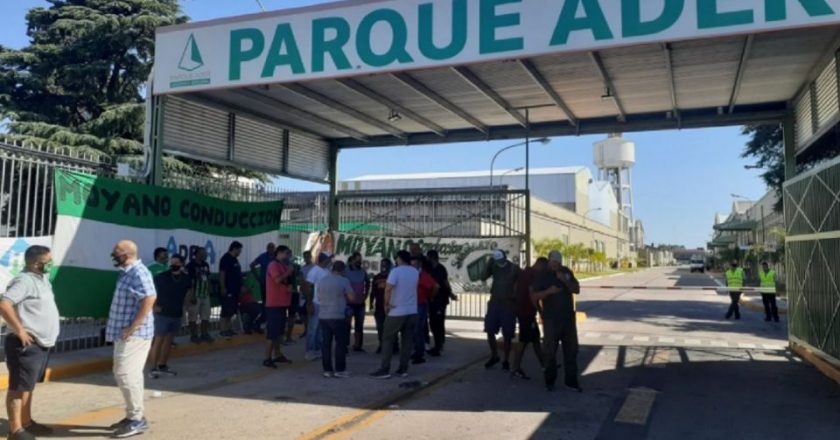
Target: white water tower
[[615, 157]]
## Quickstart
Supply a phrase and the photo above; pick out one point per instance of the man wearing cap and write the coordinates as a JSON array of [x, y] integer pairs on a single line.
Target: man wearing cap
[[313, 305], [554, 288], [501, 309]]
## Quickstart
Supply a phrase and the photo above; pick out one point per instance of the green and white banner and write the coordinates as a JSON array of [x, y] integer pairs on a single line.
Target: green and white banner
[[464, 258], [95, 213]]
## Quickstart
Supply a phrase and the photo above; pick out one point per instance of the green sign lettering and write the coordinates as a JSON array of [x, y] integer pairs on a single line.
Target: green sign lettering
[[708, 16], [426, 31], [489, 22], [238, 55], [335, 47], [776, 10], [592, 19], [283, 37], [631, 18], [399, 31]]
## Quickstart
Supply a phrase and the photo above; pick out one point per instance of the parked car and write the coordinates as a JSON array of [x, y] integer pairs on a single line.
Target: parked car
[[697, 265]]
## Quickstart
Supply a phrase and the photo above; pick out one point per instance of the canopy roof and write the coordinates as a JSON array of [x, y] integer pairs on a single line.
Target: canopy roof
[[526, 67]]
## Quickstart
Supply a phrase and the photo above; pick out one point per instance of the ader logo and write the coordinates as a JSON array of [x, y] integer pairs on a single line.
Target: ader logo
[[190, 67], [191, 56]]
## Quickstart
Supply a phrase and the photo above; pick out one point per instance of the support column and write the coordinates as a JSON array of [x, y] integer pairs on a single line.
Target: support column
[[528, 261], [789, 128], [332, 197], [155, 175]]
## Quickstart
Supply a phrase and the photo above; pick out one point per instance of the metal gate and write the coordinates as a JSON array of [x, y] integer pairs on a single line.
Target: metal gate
[[463, 213], [812, 218]]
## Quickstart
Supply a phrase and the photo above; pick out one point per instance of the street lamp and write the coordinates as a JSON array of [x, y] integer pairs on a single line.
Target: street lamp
[[544, 141], [515, 170]]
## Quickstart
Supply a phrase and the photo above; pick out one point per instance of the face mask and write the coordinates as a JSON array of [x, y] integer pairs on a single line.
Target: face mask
[[47, 267], [118, 259]]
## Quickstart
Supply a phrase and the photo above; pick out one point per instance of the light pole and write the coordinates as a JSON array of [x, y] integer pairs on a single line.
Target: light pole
[[544, 141], [515, 170]]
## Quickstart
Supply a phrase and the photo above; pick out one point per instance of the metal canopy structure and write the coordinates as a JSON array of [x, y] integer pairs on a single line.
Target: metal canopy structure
[[271, 92]]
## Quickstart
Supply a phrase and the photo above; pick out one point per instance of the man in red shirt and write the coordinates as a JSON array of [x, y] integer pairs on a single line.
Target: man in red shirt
[[526, 314], [427, 288], [278, 299]]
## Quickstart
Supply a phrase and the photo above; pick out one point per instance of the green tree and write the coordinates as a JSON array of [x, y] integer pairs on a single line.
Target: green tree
[[80, 81], [767, 147]]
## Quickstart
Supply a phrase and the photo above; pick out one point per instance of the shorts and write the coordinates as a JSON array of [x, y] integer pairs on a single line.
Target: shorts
[[26, 365], [230, 305], [167, 326], [200, 310], [275, 322], [500, 318], [529, 330]]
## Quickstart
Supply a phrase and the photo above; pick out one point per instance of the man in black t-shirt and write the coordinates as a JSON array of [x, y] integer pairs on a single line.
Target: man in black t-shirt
[[437, 308], [554, 288], [172, 288], [230, 283]]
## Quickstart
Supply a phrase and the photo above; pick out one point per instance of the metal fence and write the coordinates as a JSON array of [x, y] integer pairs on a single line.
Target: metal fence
[[27, 209], [462, 213], [812, 218]]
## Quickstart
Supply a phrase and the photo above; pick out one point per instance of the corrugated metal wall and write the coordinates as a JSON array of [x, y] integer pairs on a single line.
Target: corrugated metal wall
[[812, 218]]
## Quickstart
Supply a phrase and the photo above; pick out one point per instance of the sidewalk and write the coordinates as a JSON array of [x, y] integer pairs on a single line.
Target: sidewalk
[[81, 362]]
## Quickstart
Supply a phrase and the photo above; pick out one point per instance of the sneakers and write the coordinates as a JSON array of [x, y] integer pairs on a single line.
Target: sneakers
[[342, 374], [269, 364], [282, 360], [433, 352], [359, 350], [132, 428], [164, 370], [418, 360], [519, 374], [120, 424], [574, 386], [328, 374], [36, 428], [21, 434], [402, 372], [380, 374], [492, 362], [312, 356]]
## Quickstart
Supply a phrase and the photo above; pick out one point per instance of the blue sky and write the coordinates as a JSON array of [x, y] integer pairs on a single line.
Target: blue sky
[[680, 180]]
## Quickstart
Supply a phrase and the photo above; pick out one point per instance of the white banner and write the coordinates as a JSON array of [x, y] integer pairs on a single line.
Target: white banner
[[464, 258], [355, 38], [11, 255]]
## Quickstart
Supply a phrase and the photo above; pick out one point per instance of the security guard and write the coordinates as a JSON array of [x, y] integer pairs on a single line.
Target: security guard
[[734, 279], [768, 281]]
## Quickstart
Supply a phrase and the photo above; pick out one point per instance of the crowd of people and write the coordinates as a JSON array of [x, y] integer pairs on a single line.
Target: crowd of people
[[408, 299]]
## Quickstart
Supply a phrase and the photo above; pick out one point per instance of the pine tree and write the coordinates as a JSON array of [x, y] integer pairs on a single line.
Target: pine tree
[[79, 82]]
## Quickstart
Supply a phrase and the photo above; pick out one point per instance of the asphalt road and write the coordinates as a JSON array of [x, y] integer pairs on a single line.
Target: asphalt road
[[657, 364]]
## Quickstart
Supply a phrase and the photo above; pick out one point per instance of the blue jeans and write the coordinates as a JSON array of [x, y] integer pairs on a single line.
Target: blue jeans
[[334, 330], [313, 331], [420, 331]]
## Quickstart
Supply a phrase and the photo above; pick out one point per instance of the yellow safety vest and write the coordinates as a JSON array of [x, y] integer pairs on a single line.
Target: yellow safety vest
[[735, 278], [768, 280]]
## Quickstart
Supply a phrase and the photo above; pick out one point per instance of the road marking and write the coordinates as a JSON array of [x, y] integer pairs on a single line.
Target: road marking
[[616, 337], [592, 335], [637, 407], [641, 338], [773, 347], [743, 345], [720, 343], [693, 342], [667, 340]]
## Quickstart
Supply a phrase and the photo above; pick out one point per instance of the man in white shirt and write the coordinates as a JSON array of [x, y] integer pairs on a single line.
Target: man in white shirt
[[401, 307], [313, 333]]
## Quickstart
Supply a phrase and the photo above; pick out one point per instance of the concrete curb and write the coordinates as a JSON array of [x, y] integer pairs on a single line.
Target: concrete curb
[[100, 364], [828, 369]]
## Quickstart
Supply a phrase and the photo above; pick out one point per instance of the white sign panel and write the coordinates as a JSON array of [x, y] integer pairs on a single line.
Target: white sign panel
[[352, 38]]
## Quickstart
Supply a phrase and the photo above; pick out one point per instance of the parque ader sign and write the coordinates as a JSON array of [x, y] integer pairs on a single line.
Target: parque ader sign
[[359, 37]]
